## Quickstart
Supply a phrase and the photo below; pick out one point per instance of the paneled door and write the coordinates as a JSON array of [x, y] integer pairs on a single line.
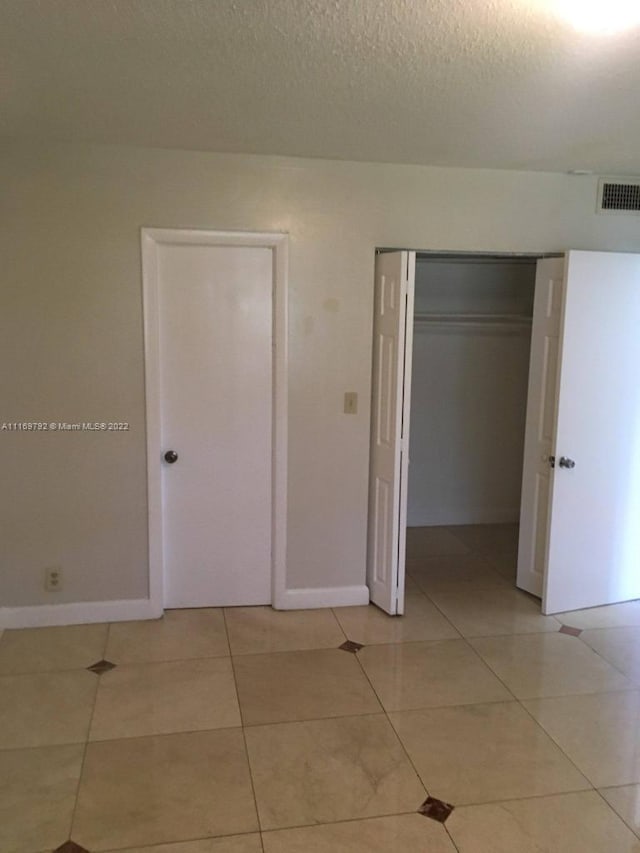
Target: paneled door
[[391, 396]]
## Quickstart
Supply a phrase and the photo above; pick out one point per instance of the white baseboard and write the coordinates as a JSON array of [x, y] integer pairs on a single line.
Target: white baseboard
[[481, 515], [78, 613], [84, 612], [333, 596]]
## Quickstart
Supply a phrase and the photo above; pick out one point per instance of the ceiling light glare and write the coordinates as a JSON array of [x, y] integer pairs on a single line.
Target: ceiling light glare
[[601, 17]]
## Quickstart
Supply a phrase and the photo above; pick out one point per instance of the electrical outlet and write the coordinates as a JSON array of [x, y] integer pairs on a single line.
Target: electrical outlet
[[53, 579], [350, 403]]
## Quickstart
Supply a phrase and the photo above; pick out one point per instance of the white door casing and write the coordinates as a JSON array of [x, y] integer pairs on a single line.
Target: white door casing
[[215, 370], [391, 393], [540, 424], [594, 529]]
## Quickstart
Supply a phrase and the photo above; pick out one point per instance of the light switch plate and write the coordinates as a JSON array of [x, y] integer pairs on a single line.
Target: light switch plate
[[350, 402]]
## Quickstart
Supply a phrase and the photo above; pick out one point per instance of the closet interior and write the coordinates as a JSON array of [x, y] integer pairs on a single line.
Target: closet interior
[[471, 341]]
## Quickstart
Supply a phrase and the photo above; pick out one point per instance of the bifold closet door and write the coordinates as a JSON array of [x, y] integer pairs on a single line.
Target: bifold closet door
[[593, 536], [391, 398], [540, 425]]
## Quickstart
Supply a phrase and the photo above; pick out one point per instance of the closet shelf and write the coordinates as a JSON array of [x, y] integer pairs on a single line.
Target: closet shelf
[[464, 319]]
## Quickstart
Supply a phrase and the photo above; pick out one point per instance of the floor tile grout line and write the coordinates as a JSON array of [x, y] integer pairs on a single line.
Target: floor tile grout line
[[159, 844], [397, 736], [459, 636], [382, 712], [521, 699], [551, 737], [274, 830], [244, 735], [339, 623], [602, 657], [554, 741], [333, 823], [589, 789], [86, 743], [476, 653], [403, 747], [631, 829]]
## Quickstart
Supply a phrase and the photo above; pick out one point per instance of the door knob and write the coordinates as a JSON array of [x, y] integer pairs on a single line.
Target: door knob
[[566, 463], [171, 456]]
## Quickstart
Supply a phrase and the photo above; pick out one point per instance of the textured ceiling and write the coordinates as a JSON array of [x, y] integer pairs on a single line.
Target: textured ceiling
[[490, 83]]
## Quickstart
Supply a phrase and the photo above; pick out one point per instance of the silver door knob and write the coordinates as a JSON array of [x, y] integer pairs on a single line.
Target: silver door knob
[[565, 462]]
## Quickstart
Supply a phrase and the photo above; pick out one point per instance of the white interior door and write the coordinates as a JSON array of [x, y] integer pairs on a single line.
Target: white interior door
[[215, 388], [540, 424], [594, 529], [391, 390]]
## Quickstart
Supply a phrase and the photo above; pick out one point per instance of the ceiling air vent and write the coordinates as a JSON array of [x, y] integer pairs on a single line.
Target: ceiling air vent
[[619, 195]]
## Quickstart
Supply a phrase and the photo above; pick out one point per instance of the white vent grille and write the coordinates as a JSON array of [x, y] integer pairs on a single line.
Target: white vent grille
[[619, 196]]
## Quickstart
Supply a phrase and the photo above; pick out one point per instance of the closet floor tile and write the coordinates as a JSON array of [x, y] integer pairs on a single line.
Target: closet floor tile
[[431, 573], [488, 539], [433, 542]]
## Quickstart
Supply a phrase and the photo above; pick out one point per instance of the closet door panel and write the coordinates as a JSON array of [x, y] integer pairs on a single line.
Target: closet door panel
[[391, 382], [540, 425]]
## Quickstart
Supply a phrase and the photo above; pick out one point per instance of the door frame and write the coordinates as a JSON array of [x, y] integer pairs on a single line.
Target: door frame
[[277, 242]]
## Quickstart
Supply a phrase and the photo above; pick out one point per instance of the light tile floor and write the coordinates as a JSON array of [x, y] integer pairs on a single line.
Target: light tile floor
[[250, 731]]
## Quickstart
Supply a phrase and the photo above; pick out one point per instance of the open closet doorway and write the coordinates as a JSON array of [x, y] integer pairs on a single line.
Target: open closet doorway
[[471, 346], [512, 386], [451, 361]]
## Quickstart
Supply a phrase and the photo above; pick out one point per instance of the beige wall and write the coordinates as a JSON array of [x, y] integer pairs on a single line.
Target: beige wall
[[71, 338]]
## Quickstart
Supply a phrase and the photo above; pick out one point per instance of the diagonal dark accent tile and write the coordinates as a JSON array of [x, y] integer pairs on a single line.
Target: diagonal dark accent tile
[[436, 809], [70, 847], [351, 646], [99, 667], [573, 632]]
